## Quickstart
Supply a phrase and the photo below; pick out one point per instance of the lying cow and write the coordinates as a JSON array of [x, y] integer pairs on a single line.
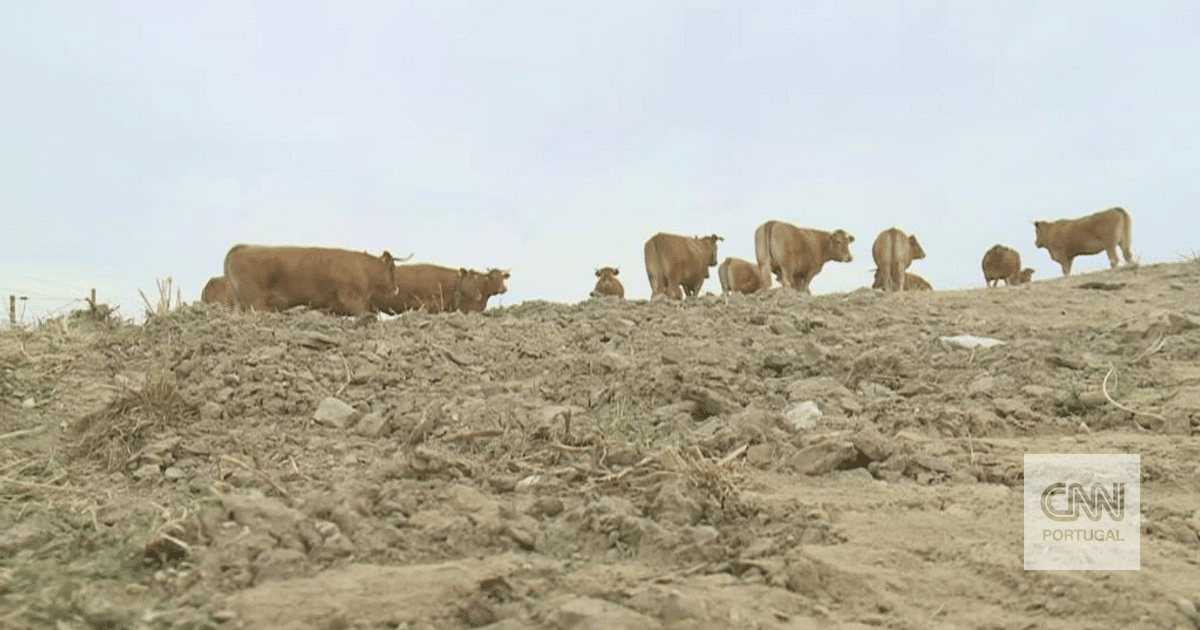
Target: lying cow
[[1004, 263], [437, 289], [894, 251], [795, 255], [738, 275], [216, 292], [340, 281], [1103, 231], [607, 284], [674, 261], [912, 282]]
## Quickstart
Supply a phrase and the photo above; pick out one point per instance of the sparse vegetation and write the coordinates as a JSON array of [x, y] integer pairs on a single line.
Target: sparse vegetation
[[122, 427], [163, 306]]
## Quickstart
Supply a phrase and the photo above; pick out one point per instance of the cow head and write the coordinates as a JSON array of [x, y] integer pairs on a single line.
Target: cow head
[[914, 248], [495, 281], [1039, 229], [839, 246], [1026, 275], [389, 269], [712, 240]]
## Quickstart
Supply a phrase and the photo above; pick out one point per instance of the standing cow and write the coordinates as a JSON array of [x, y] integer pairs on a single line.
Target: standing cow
[[894, 251], [437, 289], [674, 261], [738, 275], [607, 283], [1103, 231], [337, 280], [216, 292], [1004, 263], [797, 254], [477, 287]]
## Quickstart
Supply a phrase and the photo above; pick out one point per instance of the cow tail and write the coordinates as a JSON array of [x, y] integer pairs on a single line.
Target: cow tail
[[652, 264], [764, 268], [1127, 235]]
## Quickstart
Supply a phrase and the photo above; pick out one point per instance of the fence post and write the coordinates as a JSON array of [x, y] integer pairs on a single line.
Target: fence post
[[12, 310]]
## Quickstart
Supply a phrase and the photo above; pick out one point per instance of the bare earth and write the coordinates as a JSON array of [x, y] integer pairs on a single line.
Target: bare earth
[[601, 465]]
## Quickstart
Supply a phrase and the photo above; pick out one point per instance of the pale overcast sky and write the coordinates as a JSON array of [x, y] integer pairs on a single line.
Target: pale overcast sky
[[144, 138]]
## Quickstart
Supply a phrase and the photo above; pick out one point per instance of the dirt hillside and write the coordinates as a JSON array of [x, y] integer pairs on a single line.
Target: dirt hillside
[[772, 461]]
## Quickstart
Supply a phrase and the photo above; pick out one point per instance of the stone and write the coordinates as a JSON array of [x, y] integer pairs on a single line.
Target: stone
[[277, 565], [710, 402], [802, 415], [587, 613], [371, 425], [821, 388], [873, 444], [149, 472], [335, 413], [210, 411], [822, 458]]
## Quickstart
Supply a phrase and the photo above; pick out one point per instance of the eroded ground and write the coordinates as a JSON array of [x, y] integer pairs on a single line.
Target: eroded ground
[[602, 465]]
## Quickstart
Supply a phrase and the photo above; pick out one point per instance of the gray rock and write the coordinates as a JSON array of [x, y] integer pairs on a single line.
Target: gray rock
[[210, 411], [710, 402], [983, 386], [821, 388], [371, 425], [149, 472], [586, 613], [873, 444], [335, 413], [276, 565], [802, 415], [822, 458]]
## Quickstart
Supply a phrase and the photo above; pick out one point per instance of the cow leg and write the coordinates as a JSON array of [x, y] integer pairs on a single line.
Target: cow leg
[[1113, 261], [1066, 266], [1125, 249]]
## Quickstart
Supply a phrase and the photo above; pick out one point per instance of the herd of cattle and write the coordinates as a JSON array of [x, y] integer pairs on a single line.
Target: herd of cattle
[[344, 282]]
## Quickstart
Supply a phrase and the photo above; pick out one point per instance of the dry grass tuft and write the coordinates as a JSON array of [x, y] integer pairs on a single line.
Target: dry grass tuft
[[121, 428], [1189, 256], [163, 307]]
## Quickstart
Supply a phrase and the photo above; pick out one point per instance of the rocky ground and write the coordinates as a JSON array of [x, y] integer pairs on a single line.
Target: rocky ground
[[771, 461]]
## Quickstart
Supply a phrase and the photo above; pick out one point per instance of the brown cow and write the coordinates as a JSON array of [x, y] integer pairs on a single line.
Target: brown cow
[[1004, 263], [738, 275], [674, 261], [478, 287], [894, 251], [912, 282], [1103, 231], [216, 292], [439, 289], [797, 254], [608, 283], [337, 280]]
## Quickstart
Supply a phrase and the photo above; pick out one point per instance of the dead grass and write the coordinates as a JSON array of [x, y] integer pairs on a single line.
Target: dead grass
[[113, 434], [163, 307]]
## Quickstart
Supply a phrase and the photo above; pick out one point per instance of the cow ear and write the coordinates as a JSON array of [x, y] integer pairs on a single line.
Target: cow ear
[[387, 258], [616, 270]]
